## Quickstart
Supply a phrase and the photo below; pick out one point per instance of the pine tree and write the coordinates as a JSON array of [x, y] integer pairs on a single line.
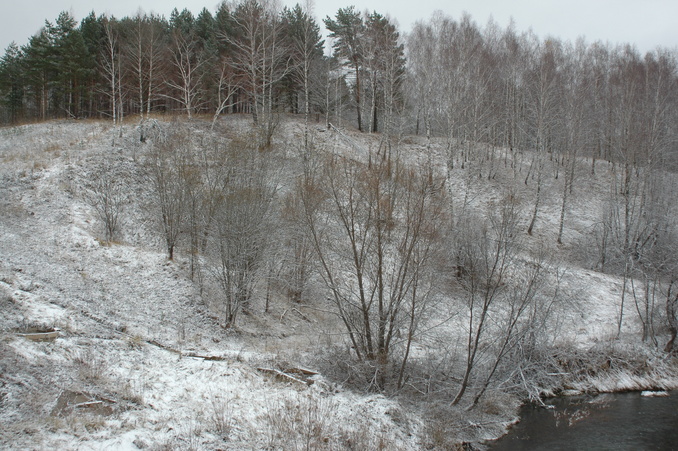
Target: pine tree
[[348, 31], [12, 82], [41, 68], [73, 64]]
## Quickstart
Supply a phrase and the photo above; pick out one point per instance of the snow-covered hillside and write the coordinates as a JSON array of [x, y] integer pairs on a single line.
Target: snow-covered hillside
[[141, 359], [131, 326]]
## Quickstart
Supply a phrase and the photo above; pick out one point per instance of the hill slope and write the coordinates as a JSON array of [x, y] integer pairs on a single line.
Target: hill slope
[[141, 359]]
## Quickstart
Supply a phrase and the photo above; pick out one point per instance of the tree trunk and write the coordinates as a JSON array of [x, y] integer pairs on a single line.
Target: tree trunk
[[357, 97], [671, 310], [536, 203]]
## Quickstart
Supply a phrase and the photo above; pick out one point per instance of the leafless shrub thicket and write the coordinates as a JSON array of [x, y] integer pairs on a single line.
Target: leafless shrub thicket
[[503, 297], [107, 196], [375, 228], [243, 224], [168, 166], [216, 195]]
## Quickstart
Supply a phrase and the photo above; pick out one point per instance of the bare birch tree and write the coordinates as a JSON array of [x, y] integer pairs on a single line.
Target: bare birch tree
[[187, 62], [261, 56], [543, 98], [111, 67], [306, 46], [144, 50]]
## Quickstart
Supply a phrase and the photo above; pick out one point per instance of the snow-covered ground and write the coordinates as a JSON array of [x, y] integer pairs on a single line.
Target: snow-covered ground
[[129, 322], [142, 362]]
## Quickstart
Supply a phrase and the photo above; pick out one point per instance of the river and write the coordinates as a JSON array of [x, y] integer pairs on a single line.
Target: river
[[625, 421]]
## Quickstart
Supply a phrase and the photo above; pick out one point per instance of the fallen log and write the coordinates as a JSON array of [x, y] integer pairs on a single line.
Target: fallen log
[[284, 376]]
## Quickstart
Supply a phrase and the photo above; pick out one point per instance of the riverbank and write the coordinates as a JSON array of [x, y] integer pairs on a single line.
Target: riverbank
[[619, 368], [622, 367]]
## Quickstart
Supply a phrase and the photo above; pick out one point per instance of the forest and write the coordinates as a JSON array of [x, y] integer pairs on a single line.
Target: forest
[[457, 198], [447, 78]]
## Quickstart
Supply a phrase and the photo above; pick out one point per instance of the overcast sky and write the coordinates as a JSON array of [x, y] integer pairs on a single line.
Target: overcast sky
[[645, 23]]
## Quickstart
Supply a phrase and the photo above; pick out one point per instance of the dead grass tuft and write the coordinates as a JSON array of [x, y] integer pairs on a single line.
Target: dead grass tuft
[[90, 366], [303, 422]]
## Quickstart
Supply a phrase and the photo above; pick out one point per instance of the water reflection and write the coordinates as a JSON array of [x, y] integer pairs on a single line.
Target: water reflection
[[624, 421]]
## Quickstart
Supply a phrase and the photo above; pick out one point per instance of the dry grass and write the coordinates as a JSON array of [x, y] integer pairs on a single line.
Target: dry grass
[[310, 421], [134, 390], [303, 423], [220, 414], [90, 366], [52, 148]]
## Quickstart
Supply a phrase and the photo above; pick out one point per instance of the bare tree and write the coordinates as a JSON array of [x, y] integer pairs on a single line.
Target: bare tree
[[144, 50], [227, 86], [498, 289], [107, 196], [112, 67], [261, 57], [242, 224], [576, 91], [188, 61], [166, 166], [543, 102], [134, 51], [375, 228], [306, 46], [154, 58], [422, 80]]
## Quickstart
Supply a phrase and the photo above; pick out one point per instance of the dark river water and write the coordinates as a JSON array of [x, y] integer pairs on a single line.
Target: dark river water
[[625, 421]]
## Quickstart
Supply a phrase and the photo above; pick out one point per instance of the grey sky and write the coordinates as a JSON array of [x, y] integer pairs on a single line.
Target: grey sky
[[645, 23]]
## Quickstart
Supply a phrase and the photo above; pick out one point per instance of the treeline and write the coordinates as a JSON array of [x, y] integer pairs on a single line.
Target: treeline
[[462, 81], [514, 90], [246, 58], [489, 87], [143, 64]]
